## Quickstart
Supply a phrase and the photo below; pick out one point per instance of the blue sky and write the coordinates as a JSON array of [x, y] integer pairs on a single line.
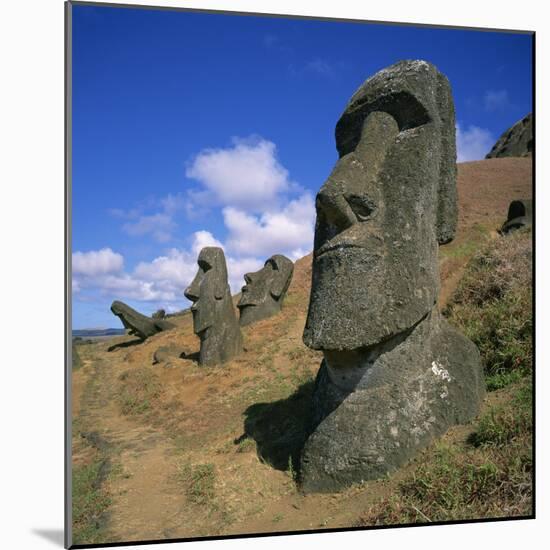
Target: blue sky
[[195, 129]]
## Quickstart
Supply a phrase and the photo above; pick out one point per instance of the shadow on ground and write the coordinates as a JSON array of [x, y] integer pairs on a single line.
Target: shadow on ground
[[280, 428], [191, 356], [127, 344]]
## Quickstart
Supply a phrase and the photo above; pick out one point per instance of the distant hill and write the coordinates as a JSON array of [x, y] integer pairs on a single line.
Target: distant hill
[[89, 332], [517, 141]]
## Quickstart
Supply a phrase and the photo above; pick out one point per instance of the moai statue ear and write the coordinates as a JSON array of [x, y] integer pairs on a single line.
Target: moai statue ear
[[283, 275], [447, 212]]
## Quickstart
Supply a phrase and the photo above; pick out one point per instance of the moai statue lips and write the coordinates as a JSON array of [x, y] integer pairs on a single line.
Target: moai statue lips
[[394, 375], [214, 319], [139, 324], [265, 290]]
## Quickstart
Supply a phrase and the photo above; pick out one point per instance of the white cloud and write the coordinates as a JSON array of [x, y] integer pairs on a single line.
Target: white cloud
[[237, 267], [202, 239], [264, 213], [160, 282], [473, 143], [286, 231], [495, 100], [97, 262], [159, 224], [246, 175], [320, 67]]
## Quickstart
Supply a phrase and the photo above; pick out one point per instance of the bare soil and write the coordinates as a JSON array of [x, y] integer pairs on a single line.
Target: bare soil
[[245, 418]]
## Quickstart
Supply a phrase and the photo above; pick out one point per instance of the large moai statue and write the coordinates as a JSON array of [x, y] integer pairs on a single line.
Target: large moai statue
[[265, 290], [214, 318], [395, 375], [138, 324]]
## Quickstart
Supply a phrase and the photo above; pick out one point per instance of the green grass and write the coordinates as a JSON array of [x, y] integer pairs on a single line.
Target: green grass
[[90, 502], [507, 422], [246, 445], [77, 361], [488, 477], [477, 235], [493, 307], [277, 518], [199, 481]]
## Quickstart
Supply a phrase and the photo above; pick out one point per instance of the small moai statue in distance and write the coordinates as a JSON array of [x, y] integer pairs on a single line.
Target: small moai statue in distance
[[265, 290], [214, 318]]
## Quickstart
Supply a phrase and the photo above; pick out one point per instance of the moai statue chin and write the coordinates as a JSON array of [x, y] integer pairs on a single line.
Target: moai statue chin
[[265, 290], [395, 375], [214, 319]]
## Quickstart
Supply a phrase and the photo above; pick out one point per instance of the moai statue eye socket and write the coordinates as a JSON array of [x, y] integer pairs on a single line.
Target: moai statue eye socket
[[204, 265]]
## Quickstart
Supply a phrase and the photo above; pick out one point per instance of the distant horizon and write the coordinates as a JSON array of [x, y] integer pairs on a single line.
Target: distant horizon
[[199, 129]]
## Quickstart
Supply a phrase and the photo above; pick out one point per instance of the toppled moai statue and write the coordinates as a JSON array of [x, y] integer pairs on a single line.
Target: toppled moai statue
[[214, 319], [520, 214], [159, 314], [265, 290], [138, 324], [395, 375]]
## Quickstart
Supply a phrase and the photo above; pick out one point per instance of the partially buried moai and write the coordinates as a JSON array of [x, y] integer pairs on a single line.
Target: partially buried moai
[[214, 319], [520, 214], [265, 290], [395, 374]]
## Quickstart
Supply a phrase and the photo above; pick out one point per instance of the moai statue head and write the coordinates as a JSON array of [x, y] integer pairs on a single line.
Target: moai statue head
[[265, 290], [388, 203], [137, 323], [214, 319]]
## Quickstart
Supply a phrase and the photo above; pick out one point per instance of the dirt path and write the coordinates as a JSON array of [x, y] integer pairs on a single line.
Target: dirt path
[[146, 502]]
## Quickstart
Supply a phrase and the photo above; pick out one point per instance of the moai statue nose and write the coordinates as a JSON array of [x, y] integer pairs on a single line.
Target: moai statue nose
[[333, 206]]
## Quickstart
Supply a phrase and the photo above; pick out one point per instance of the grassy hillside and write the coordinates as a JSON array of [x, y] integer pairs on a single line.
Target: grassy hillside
[[193, 451], [483, 470]]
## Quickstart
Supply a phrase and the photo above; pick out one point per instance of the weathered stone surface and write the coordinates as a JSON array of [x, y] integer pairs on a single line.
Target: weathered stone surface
[[517, 141], [214, 319], [374, 413], [394, 375], [164, 354], [380, 215], [138, 324], [265, 290], [520, 214], [159, 314]]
